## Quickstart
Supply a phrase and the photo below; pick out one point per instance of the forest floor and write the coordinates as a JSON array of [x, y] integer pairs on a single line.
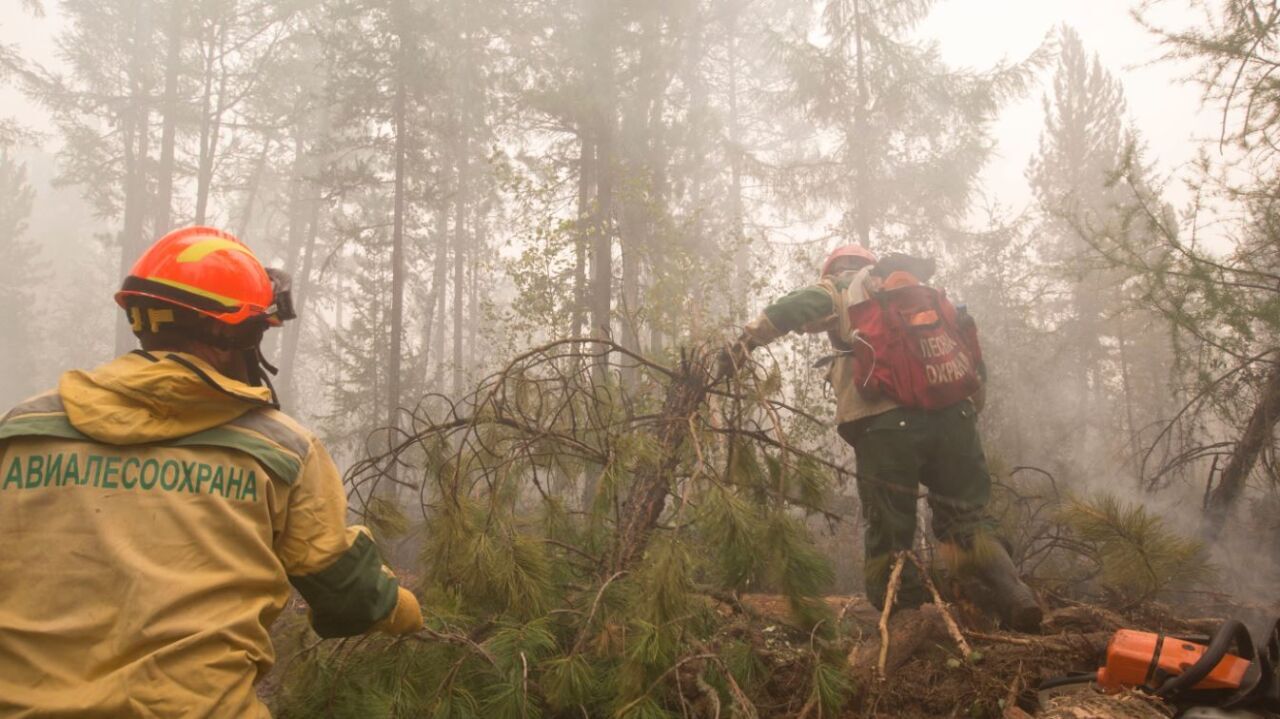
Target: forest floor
[[927, 677]]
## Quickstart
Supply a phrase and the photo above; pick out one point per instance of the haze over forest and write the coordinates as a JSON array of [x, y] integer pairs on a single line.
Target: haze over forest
[[454, 182]]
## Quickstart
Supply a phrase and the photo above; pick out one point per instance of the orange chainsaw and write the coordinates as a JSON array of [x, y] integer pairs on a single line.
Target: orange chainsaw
[[1227, 676]]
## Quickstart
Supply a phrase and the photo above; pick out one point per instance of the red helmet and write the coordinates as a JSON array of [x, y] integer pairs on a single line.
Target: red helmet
[[853, 250], [204, 270]]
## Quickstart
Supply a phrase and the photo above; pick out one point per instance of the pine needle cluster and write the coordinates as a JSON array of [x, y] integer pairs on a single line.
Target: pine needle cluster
[[1139, 556]]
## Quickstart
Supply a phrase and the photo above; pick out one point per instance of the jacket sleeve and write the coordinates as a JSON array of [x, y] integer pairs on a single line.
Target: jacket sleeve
[[336, 568], [802, 307]]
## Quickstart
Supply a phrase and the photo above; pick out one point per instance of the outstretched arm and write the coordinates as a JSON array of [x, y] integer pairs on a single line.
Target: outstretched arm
[[337, 568]]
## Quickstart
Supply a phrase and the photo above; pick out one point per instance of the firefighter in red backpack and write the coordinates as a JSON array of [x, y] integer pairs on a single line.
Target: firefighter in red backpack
[[907, 375]]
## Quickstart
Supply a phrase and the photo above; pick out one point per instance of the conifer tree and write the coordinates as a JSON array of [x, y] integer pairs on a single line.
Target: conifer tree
[[103, 109], [909, 134], [1113, 351], [1226, 304]]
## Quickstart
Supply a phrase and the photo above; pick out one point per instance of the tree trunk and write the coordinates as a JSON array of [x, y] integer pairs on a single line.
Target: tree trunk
[[742, 253], [601, 304], [301, 289], [395, 350], [255, 183], [433, 319], [302, 278], [586, 180], [293, 241], [135, 121], [859, 139], [647, 497], [441, 276], [169, 131], [1126, 388], [1257, 436], [210, 121], [473, 286], [459, 267]]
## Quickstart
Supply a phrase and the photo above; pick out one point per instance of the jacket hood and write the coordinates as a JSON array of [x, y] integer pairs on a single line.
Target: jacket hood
[[143, 397]]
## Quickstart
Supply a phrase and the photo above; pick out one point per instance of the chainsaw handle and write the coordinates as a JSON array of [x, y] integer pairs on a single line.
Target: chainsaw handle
[[1232, 633]]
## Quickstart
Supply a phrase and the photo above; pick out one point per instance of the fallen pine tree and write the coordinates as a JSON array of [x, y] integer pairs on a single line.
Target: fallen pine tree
[[590, 527]]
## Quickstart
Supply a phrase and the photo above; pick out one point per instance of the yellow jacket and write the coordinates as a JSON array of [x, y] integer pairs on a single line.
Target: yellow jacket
[[153, 514]]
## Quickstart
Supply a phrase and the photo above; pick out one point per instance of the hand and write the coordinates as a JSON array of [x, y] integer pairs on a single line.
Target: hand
[[405, 617]]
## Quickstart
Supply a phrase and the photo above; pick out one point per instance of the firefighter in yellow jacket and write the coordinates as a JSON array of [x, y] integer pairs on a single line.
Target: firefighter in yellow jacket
[[154, 511]]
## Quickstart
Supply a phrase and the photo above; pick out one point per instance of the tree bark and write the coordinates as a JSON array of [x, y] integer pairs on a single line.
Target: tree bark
[[862, 176], [582, 233], [601, 304], [134, 125], [302, 277], [433, 318], [169, 131], [1257, 435], [211, 119], [647, 497], [459, 266], [395, 350], [742, 253], [255, 184], [473, 285]]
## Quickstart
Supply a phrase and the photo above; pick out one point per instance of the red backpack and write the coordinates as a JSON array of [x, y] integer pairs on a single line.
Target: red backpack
[[910, 345]]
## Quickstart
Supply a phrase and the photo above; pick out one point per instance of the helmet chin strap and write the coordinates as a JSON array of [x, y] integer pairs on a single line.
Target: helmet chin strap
[[248, 342], [261, 371]]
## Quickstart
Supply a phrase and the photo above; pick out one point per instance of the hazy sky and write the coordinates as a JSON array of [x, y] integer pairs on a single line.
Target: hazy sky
[[978, 33], [974, 33]]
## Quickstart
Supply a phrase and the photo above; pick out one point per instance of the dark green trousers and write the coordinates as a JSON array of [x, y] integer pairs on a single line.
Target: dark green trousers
[[900, 451]]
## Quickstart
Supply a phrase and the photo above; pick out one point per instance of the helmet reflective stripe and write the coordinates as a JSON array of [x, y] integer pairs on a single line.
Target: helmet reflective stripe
[[233, 304], [204, 248]]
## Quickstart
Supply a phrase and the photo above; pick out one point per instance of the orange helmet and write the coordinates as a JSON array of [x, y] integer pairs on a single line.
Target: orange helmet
[[853, 250], [207, 271]]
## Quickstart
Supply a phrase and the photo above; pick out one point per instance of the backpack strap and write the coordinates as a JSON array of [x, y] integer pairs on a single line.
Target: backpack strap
[[841, 300]]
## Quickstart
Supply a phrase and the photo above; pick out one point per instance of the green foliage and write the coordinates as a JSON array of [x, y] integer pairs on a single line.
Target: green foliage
[[831, 686], [531, 612], [1140, 555], [487, 561], [731, 524], [570, 681], [386, 519], [644, 708]]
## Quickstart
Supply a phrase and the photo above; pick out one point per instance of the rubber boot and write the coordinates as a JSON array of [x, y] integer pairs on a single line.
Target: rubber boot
[[989, 579], [1009, 597]]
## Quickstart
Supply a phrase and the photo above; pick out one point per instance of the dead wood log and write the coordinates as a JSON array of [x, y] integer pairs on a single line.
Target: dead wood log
[[910, 630], [1257, 435], [1088, 704]]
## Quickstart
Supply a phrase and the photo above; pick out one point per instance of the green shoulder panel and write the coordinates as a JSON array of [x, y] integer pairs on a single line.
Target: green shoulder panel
[[351, 595], [281, 463], [282, 453], [39, 425]]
